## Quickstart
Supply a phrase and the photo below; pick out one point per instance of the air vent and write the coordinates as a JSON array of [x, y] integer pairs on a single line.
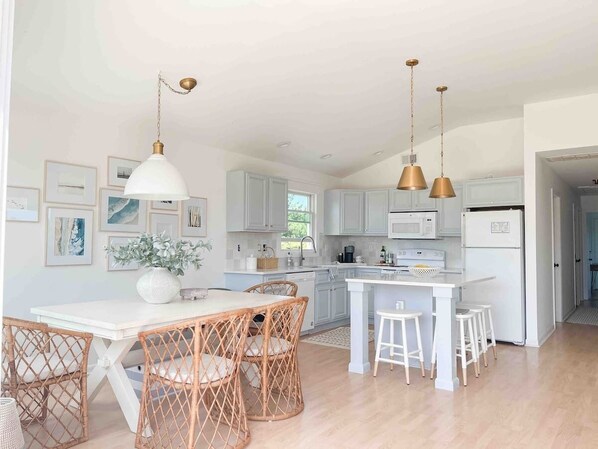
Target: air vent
[[409, 159], [572, 157]]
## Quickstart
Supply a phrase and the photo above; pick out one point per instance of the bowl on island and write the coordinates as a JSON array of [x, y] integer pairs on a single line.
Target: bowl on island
[[424, 271]]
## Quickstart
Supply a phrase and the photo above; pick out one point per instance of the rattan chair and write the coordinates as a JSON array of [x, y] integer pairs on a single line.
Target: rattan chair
[[191, 394], [270, 379], [283, 288], [45, 370]]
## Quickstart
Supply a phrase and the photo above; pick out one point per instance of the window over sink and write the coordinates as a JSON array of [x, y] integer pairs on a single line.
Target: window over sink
[[301, 215]]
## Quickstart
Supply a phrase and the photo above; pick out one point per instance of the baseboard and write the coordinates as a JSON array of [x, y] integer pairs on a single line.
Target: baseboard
[[546, 336], [566, 317]]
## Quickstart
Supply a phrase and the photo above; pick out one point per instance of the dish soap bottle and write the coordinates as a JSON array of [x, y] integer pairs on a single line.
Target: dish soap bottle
[[383, 255], [289, 260]]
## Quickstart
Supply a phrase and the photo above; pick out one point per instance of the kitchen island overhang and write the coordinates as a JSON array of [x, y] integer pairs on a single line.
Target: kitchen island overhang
[[417, 293]]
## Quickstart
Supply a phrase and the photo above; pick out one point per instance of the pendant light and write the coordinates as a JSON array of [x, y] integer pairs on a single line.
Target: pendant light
[[442, 187], [156, 178], [412, 177]]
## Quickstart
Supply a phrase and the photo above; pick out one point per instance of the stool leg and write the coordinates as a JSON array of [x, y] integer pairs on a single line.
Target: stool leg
[[492, 339], [392, 342], [378, 346], [463, 352], [473, 335], [405, 349], [482, 335], [419, 346], [433, 361]]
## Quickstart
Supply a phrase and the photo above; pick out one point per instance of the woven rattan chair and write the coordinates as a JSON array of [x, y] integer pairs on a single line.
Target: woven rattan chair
[[283, 288], [271, 382], [45, 370], [191, 394]]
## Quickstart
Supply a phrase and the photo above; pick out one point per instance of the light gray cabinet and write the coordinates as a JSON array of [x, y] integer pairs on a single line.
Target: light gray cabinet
[[449, 213], [255, 202], [420, 200], [322, 313], [399, 200], [343, 212], [339, 301], [494, 192], [376, 212]]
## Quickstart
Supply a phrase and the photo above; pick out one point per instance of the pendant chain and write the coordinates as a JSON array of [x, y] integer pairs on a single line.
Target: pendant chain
[[411, 157], [180, 92], [441, 135]]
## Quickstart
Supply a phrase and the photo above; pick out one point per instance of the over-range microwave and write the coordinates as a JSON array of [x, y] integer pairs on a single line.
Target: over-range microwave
[[413, 225]]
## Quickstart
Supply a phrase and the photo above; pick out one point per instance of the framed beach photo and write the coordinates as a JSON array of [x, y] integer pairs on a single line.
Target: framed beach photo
[[118, 241], [119, 170], [166, 205], [168, 223], [70, 184], [22, 204], [120, 214], [69, 236], [194, 217]]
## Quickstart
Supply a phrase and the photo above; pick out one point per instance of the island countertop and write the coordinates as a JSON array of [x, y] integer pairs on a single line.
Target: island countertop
[[446, 280]]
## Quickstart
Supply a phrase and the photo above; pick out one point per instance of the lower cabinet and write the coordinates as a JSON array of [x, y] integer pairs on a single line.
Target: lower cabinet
[[331, 302], [339, 301], [322, 313]]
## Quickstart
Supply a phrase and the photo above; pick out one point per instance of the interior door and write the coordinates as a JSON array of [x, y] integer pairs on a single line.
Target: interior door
[[557, 280], [576, 257]]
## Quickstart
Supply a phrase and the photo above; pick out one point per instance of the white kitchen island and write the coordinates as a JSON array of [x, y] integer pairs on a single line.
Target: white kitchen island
[[419, 294]]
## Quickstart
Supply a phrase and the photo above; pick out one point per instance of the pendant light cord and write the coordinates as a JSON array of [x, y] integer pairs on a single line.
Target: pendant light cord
[[180, 92], [441, 135], [411, 155]]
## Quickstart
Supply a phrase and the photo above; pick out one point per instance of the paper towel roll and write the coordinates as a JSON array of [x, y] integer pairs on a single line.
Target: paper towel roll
[[251, 263]]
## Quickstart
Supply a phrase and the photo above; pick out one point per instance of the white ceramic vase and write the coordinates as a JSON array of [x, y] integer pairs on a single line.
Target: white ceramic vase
[[158, 286]]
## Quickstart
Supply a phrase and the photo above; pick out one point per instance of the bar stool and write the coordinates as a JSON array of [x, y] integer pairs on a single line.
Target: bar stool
[[392, 315], [486, 331], [467, 343]]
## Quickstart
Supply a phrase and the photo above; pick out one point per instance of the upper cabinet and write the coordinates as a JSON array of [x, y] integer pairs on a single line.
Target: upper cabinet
[[421, 200], [343, 212], [255, 202], [408, 200], [494, 192], [376, 212], [449, 213]]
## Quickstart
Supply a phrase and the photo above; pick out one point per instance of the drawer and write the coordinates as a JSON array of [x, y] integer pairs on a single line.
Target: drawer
[[322, 277]]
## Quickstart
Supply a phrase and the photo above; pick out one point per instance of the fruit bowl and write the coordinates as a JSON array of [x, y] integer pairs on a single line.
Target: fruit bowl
[[424, 272]]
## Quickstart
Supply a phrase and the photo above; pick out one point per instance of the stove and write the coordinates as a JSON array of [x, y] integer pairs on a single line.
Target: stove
[[406, 258]]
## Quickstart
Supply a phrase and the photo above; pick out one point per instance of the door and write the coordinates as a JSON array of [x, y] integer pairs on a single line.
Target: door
[[422, 201], [256, 202], [399, 200], [493, 229], [351, 212], [557, 279], [593, 252], [449, 213], [339, 301], [322, 304], [278, 204], [576, 257], [376, 212]]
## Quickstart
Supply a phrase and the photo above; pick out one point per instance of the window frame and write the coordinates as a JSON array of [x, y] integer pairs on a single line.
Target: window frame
[[312, 223]]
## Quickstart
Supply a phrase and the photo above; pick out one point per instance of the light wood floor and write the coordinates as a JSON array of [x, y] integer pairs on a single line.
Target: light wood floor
[[529, 398]]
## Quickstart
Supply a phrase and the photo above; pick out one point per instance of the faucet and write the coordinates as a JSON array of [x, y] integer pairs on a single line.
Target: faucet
[[301, 259]]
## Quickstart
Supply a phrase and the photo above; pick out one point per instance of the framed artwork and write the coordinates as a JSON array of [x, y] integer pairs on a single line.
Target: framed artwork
[[194, 218], [22, 204], [119, 170], [120, 214], [112, 265], [70, 184], [166, 205], [168, 223], [69, 236]]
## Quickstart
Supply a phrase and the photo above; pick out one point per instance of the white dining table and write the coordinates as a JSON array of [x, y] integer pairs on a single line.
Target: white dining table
[[115, 324]]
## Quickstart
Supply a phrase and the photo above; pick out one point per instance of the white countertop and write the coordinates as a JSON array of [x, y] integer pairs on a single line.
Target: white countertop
[[285, 270], [448, 280]]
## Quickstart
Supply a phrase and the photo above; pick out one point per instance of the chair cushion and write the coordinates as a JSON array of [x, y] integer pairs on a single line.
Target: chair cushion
[[254, 346], [211, 369], [40, 367]]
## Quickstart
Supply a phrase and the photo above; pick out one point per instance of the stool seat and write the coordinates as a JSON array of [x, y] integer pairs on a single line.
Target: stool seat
[[474, 306], [398, 313]]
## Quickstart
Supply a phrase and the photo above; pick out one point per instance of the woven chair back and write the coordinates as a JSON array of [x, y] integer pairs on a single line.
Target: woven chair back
[[282, 288]]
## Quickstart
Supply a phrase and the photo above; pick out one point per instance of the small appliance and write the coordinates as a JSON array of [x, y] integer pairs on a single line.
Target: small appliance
[[413, 225], [349, 251]]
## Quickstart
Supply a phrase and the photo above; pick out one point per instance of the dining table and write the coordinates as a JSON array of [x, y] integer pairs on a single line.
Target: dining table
[[115, 324]]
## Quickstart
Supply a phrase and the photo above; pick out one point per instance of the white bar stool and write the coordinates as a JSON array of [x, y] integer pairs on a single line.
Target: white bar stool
[[392, 315], [470, 344], [487, 327]]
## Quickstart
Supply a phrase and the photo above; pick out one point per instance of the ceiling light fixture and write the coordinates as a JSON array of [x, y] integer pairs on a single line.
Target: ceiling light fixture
[[412, 177], [326, 156], [156, 178], [378, 153], [442, 187], [283, 145]]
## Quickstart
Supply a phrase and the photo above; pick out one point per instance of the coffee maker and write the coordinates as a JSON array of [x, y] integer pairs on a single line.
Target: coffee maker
[[349, 251]]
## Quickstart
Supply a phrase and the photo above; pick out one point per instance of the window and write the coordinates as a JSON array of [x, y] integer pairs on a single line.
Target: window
[[301, 221]]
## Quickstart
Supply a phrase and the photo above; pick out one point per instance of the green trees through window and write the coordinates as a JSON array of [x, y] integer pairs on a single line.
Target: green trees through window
[[300, 216]]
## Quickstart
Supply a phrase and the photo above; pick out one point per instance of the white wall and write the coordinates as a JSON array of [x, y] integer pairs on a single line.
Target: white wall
[[88, 138]]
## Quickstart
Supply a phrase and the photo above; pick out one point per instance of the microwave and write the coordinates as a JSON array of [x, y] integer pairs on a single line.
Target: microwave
[[413, 225]]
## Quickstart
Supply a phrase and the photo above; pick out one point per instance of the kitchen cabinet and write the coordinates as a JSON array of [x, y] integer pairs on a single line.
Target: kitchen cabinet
[[408, 200], [322, 312], [376, 212], [255, 202], [494, 192], [449, 213], [339, 301], [420, 200], [343, 212]]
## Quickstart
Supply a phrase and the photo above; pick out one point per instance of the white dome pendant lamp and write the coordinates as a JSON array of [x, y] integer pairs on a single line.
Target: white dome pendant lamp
[[156, 178]]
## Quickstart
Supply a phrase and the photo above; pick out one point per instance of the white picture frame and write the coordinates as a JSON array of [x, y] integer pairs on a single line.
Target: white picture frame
[[116, 241], [69, 234], [120, 214], [194, 217], [22, 204], [168, 223], [70, 184], [166, 205], [119, 170]]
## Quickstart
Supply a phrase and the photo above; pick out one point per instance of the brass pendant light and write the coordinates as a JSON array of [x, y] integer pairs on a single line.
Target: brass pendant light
[[442, 187], [412, 177]]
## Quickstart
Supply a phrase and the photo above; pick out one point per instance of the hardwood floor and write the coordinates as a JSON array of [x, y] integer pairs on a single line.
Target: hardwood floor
[[529, 398]]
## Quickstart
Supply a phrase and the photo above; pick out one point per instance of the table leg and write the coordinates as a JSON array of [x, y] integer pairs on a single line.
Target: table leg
[[360, 362], [446, 326]]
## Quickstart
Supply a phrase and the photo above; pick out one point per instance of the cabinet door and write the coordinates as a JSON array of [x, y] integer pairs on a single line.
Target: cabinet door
[[376, 212], [422, 200], [351, 212], [494, 192], [256, 202], [278, 201], [449, 213], [399, 200], [322, 304], [339, 302]]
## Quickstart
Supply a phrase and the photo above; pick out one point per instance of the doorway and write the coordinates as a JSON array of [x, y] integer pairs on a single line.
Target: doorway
[[592, 229], [557, 278]]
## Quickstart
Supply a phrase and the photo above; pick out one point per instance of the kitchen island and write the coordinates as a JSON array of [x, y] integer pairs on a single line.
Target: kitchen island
[[418, 294]]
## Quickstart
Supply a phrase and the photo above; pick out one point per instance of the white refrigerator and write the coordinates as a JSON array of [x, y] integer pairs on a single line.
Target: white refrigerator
[[493, 245]]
